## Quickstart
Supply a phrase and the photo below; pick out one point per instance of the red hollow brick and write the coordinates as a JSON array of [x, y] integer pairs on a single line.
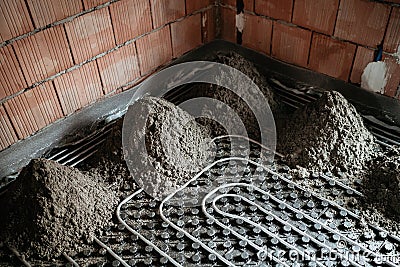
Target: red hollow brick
[[23, 115], [45, 12], [12, 79], [154, 50], [92, 3], [79, 87], [257, 33], [192, 6], [363, 57], [186, 34], [130, 18], [14, 19], [318, 15], [290, 44], [362, 21], [118, 68], [90, 34], [43, 54], [49, 105], [165, 11], [8, 136], [331, 57], [34, 109], [249, 5], [277, 9], [393, 77], [229, 2], [228, 27], [208, 25], [392, 38]]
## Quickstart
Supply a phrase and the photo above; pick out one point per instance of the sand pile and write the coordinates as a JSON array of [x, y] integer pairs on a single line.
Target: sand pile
[[52, 208], [382, 184], [328, 135], [165, 149]]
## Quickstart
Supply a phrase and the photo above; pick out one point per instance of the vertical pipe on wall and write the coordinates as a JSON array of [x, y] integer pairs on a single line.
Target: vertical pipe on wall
[[239, 20]]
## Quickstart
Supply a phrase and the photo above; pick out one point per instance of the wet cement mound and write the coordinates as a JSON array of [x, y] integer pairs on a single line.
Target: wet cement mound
[[238, 62], [328, 135], [52, 208], [382, 183], [176, 146], [237, 103], [228, 98]]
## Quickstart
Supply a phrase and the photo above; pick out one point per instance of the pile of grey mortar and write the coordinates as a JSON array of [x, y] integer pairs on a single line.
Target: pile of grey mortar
[[176, 146], [231, 99], [51, 209], [328, 135]]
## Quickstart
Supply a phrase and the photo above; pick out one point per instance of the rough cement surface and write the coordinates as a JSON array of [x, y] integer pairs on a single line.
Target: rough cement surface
[[108, 163], [382, 183], [177, 147], [328, 135], [238, 62], [376, 216], [52, 208], [239, 106]]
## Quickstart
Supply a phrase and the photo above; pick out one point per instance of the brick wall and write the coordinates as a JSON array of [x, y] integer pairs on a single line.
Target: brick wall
[[57, 57], [334, 37]]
